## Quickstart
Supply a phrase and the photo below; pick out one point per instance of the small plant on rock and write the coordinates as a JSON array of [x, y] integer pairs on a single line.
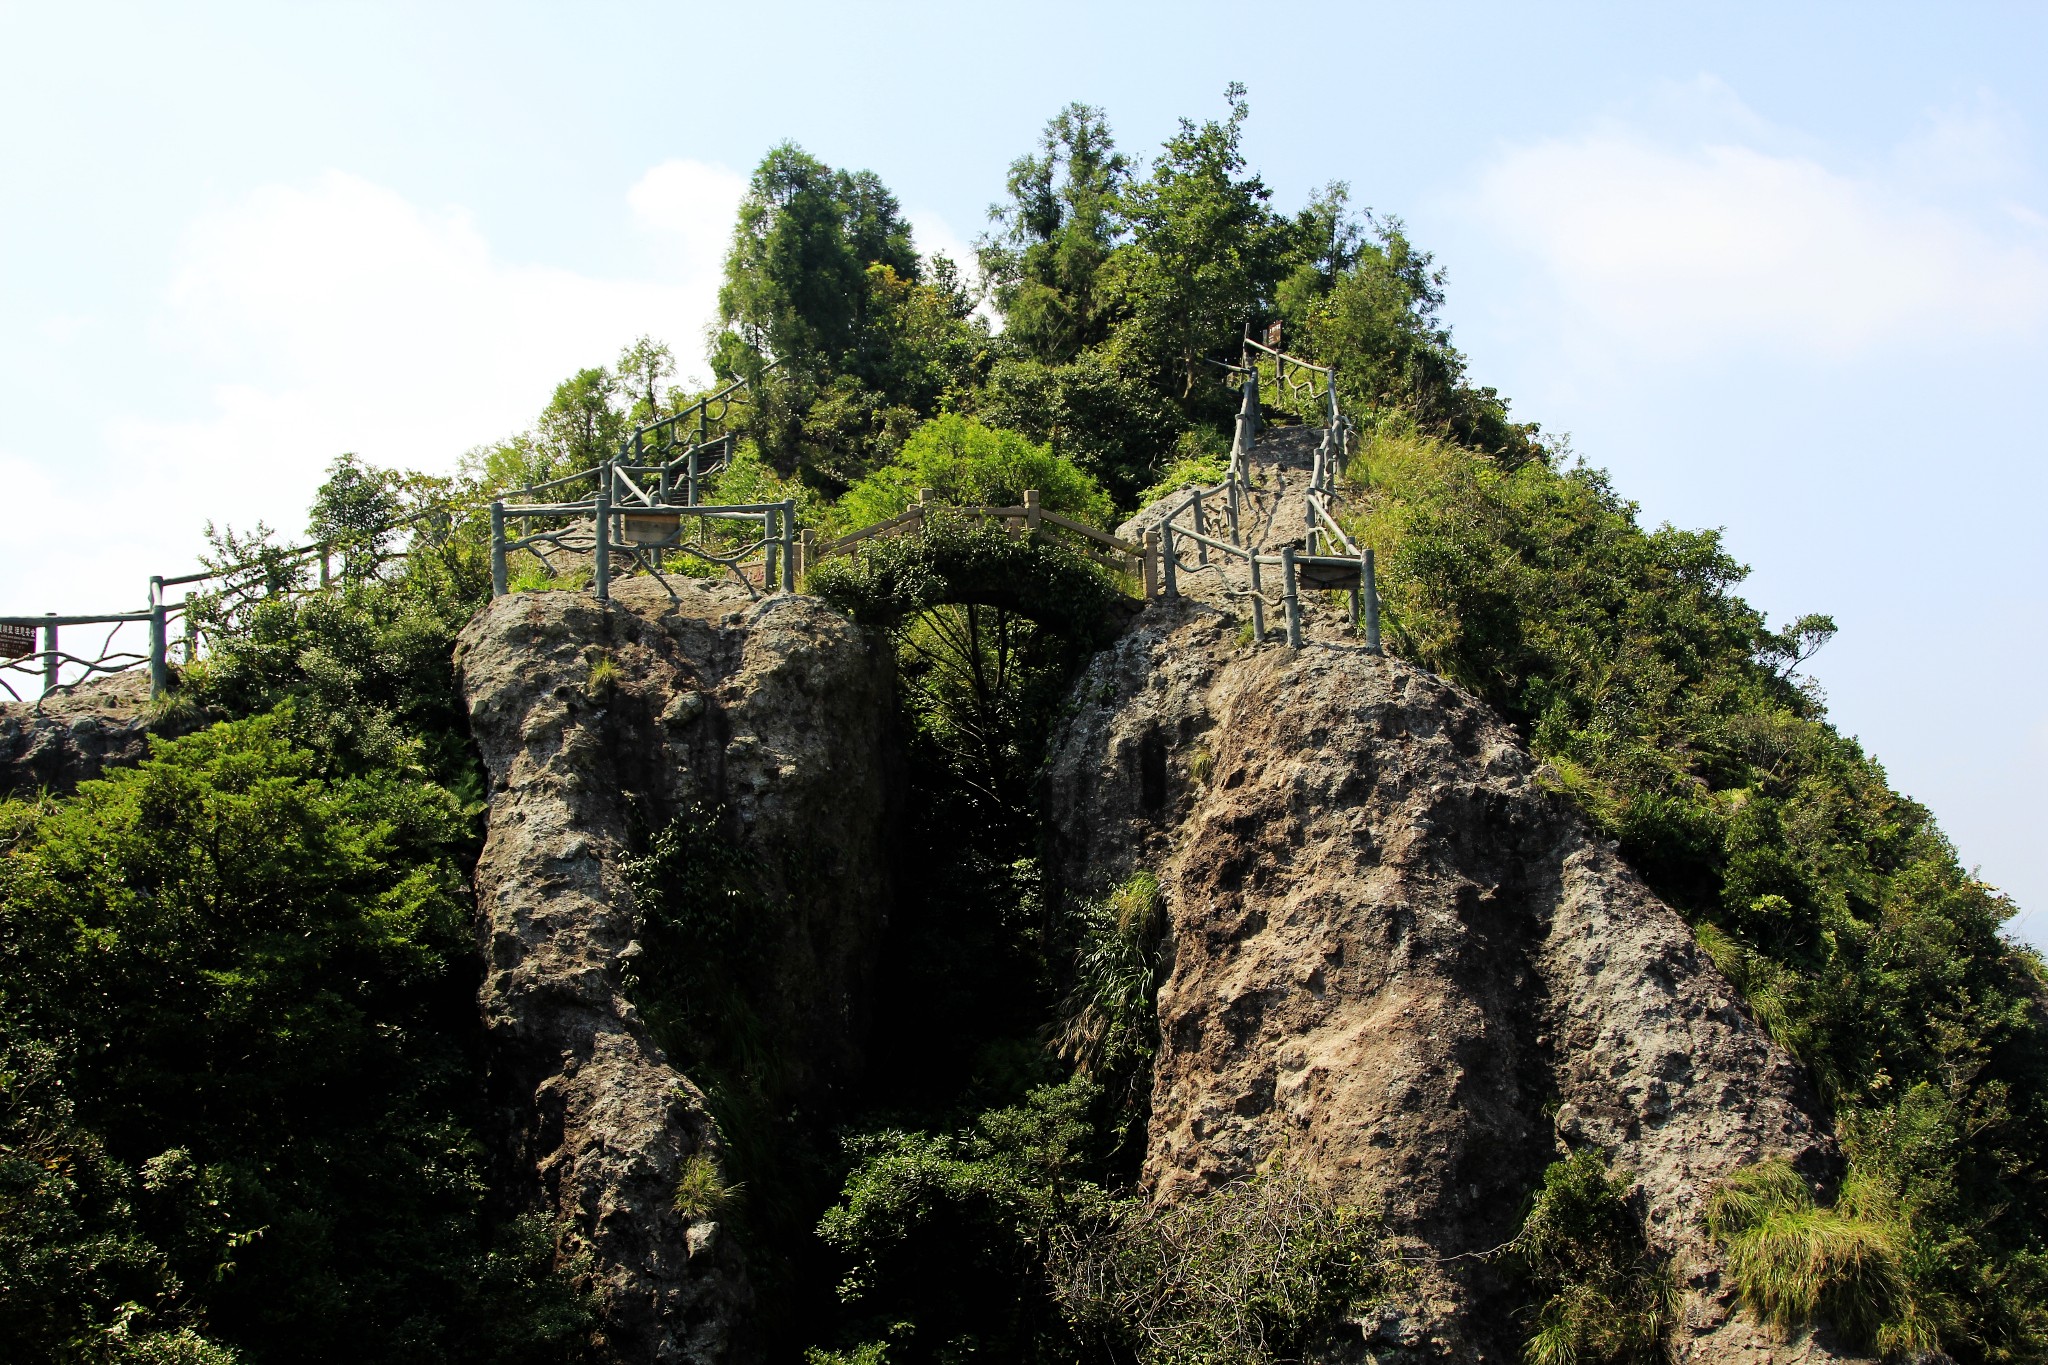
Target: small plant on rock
[[701, 1192]]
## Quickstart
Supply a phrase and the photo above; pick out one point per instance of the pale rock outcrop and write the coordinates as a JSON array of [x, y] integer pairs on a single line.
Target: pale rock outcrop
[[775, 709], [1402, 965], [75, 736]]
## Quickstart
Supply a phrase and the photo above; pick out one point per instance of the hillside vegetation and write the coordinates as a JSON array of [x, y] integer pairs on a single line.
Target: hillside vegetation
[[243, 1115]]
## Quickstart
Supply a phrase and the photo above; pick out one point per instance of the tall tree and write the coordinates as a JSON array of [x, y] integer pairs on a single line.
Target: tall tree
[[644, 367], [796, 279], [1061, 222], [823, 279], [1206, 251], [583, 420]]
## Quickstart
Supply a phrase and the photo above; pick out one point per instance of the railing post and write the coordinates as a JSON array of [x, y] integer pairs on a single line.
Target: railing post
[[325, 571], [603, 547], [691, 487], [769, 545], [191, 631], [1201, 528], [789, 545], [159, 665], [1235, 538], [1258, 604], [1167, 566], [498, 577], [50, 657], [1031, 511], [1290, 594], [1369, 590], [1149, 566]]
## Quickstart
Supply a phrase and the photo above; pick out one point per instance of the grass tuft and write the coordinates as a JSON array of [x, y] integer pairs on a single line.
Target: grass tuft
[[701, 1193], [1794, 1263]]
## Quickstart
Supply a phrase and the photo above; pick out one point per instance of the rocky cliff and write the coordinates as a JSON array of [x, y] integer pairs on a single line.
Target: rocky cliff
[[598, 723], [77, 735], [1401, 965]]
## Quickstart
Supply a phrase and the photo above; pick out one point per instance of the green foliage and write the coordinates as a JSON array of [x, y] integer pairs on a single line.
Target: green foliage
[[822, 278], [1204, 249], [367, 667], [1261, 1270], [1061, 223], [79, 1278], [1793, 1262], [1110, 1030], [963, 560], [1104, 410], [1201, 457], [353, 512], [1376, 317], [947, 1235], [964, 463], [1673, 714], [251, 974], [1601, 1297]]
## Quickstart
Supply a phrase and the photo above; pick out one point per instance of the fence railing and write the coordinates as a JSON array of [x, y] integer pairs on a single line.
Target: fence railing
[[1328, 558], [646, 507], [675, 454]]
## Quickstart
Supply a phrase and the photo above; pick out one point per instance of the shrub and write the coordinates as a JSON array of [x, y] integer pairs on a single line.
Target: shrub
[[1601, 1297], [966, 464], [1260, 1270], [257, 975], [1110, 1028]]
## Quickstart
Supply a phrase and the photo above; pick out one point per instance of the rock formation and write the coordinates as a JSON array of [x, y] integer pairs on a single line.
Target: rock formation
[[1402, 965], [77, 735], [774, 709]]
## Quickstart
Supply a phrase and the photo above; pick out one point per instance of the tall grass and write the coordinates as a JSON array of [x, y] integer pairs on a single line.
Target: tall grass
[[1795, 1263]]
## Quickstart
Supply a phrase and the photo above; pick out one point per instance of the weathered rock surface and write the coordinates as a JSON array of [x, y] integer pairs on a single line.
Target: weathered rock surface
[[1401, 964], [775, 709], [77, 735]]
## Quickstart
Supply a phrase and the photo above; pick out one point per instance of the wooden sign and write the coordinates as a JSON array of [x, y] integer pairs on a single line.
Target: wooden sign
[[1273, 336], [651, 528], [17, 642]]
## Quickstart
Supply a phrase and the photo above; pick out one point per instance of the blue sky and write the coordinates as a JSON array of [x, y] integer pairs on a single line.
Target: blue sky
[[1782, 270]]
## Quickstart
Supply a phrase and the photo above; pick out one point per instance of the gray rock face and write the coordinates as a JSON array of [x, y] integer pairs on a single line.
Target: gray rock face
[[1395, 957], [75, 736], [776, 709]]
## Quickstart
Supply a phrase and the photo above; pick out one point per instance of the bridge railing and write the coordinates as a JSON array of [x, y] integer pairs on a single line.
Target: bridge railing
[[1028, 518]]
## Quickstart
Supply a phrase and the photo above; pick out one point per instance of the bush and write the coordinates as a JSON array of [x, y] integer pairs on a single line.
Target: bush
[[1260, 1270], [1601, 1297], [966, 464], [255, 979], [1110, 1028]]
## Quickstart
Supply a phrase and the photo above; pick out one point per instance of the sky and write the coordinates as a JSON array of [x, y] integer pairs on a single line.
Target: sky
[[1780, 269]]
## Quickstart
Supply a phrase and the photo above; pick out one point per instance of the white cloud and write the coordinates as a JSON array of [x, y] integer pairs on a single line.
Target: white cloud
[[1683, 247], [336, 315], [333, 315]]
